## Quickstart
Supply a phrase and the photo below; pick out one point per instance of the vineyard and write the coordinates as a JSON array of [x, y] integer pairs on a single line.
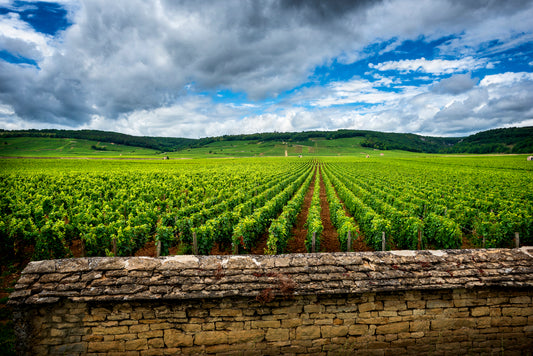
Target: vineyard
[[206, 206]]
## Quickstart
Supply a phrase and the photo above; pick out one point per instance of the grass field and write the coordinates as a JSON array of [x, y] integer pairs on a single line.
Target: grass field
[[65, 147], [62, 147]]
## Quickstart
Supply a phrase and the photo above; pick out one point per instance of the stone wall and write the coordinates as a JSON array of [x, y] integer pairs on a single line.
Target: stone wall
[[402, 302]]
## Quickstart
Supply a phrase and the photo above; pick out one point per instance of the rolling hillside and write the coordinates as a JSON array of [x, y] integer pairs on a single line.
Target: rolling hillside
[[91, 143]]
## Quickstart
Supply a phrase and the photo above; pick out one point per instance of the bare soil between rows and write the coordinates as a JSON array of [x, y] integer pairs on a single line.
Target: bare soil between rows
[[296, 243], [329, 237]]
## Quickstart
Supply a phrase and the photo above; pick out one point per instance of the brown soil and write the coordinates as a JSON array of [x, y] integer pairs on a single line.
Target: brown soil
[[9, 274], [220, 249], [329, 237], [76, 248], [8, 279], [467, 242], [296, 243], [359, 244], [259, 248], [149, 250]]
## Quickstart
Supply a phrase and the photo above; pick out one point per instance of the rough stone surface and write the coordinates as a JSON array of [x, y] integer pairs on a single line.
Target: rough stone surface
[[186, 277], [473, 302], [320, 324]]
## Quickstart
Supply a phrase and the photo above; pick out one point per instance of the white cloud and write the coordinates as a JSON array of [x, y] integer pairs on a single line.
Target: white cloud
[[435, 66], [19, 38], [507, 78], [497, 28], [148, 67], [360, 91], [6, 110]]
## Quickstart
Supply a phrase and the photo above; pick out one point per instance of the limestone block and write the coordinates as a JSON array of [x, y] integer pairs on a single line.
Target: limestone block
[[179, 262], [334, 331], [139, 328], [209, 338], [260, 324], [136, 345], [103, 263], [254, 335], [370, 306], [394, 305], [225, 312], [439, 303], [156, 343], [277, 334], [419, 325], [126, 337], [40, 267], [176, 338], [393, 328], [140, 264], [524, 299], [308, 332], [480, 311], [105, 346], [150, 334]]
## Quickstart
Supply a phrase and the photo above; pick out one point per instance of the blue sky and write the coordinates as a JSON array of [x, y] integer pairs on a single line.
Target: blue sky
[[209, 68]]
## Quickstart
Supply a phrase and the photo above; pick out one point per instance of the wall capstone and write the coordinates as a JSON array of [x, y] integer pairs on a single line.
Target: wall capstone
[[335, 301]]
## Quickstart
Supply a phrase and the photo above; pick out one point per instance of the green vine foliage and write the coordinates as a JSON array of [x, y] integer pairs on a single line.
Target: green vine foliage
[[444, 201], [314, 222], [279, 231]]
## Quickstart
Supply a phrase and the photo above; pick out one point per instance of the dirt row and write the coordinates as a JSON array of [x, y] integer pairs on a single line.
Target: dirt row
[[329, 237], [296, 244]]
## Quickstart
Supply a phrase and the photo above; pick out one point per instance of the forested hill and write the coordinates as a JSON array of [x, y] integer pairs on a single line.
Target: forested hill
[[509, 140], [156, 143]]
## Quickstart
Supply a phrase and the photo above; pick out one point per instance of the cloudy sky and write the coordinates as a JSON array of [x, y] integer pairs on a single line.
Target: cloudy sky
[[209, 68]]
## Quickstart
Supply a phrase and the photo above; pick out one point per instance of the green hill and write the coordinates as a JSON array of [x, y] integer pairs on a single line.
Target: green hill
[[154, 143], [511, 140], [68, 147], [69, 143]]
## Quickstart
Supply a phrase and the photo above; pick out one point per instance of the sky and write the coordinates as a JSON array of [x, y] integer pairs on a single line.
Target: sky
[[209, 68]]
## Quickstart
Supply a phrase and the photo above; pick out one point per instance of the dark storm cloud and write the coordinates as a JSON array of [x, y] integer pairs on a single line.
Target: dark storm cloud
[[46, 99], [456, 84], [124, 56], [127, 61], [485, 107]]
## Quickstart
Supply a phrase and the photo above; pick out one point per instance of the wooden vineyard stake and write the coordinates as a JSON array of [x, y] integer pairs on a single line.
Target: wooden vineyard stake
[[349, 241], [157, 248], [83, 248], [114, 247], [419, 239], [483, 241], [517, 239], [383, 241], [194, 243], [313, 242]]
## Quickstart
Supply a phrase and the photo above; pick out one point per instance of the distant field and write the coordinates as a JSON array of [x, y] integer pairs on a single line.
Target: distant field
[[62, 147]]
